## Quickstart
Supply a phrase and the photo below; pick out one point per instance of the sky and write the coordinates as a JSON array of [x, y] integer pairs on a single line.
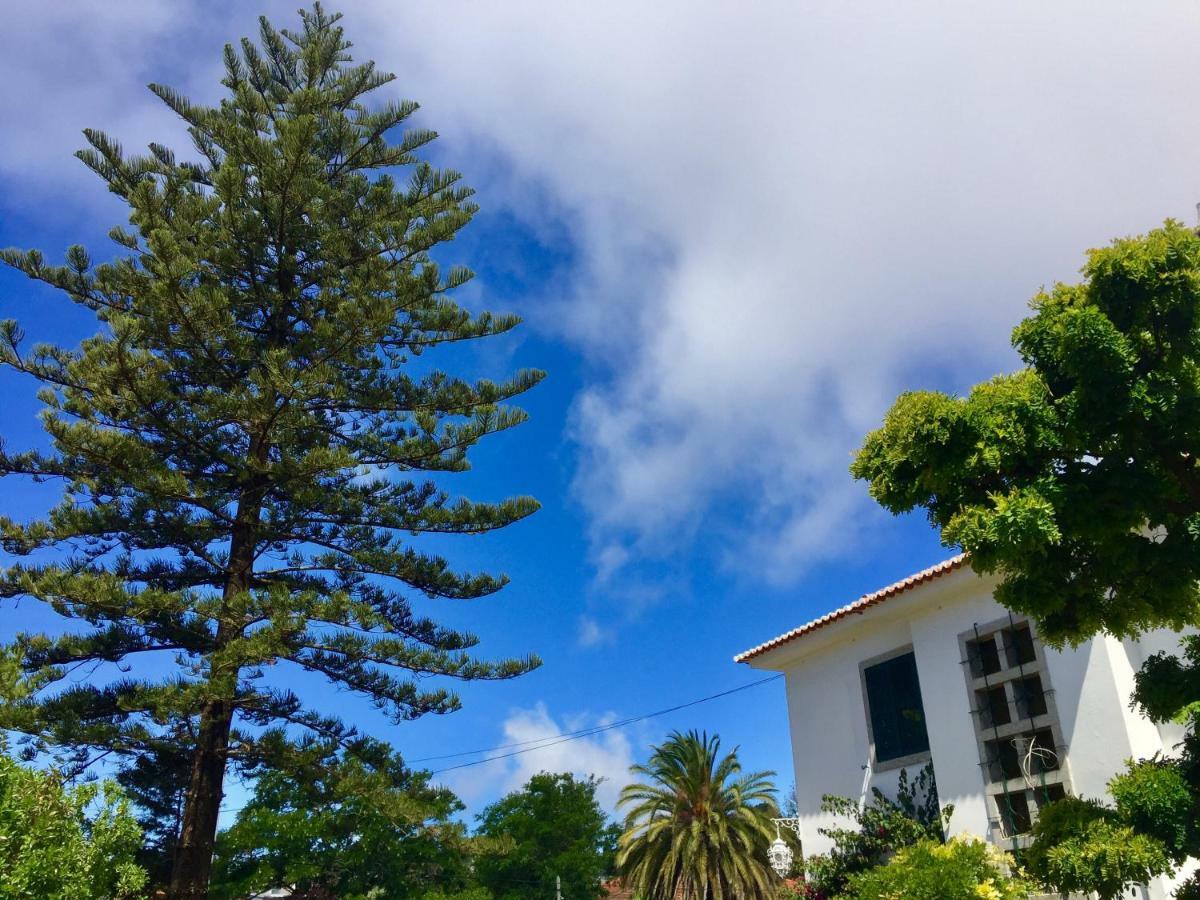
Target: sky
[[735, 232]]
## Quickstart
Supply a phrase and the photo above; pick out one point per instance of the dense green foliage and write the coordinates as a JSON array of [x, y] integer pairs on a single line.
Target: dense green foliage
[[552, 827], [876, 830], [1154, 797], [65, 843], [960, 869], [359, 825], [1076, 480], [1083, 846], [249, 444], [697, 825]]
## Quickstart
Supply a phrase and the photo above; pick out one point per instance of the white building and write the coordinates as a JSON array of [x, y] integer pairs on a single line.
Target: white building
[[933, 670]]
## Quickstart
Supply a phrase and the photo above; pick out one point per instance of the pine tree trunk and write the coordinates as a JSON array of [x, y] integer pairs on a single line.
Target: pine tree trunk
[[202, 805], [193, 855]]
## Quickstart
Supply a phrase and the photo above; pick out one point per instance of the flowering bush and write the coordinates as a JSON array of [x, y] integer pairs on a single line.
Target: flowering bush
[[877, 831], [964, 868]]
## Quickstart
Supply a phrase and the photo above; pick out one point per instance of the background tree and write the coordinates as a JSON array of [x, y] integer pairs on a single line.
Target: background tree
[[697, 828], [156, 784], [77, 843], [552, 827], [360, 825], [1161, 797], [1076, 479], [244, 443]]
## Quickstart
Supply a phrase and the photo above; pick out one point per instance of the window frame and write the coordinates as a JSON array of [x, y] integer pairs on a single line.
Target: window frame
[[899, 762]]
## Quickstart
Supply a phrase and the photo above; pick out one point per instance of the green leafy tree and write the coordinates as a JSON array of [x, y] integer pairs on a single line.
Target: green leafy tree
[[1076, 479], [876, 830], [1161, 797], [70, 843], [697, 827], [964, 868], [251, 438], [359, 825], [553, 828], [1077, 482], [473, 893]]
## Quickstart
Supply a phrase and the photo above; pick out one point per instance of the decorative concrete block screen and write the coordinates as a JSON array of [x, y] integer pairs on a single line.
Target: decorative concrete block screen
[[1022, 757]]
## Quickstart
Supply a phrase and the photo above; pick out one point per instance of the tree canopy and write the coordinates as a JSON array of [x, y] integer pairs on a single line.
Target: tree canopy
[[553, 828], [1076, 479], [361, 825], [253, 442]]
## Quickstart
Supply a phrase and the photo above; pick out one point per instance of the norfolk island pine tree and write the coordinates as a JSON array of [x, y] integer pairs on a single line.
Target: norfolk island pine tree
[[243, 451]]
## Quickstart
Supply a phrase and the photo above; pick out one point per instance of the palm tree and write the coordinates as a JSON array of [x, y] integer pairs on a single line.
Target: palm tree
[[697, 828]]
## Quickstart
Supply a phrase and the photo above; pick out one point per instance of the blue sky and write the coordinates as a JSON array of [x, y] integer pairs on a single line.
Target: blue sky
[[735, 232]]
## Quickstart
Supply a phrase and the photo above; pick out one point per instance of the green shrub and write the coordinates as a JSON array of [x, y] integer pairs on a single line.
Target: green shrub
[[475, 893], [964, 868], [1083, 846], [1057, 823], [1154, 797]]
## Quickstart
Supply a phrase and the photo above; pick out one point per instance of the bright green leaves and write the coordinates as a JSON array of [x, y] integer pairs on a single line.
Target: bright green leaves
[[70, 843], [1083, 846], [964, 868], [1154, 797], [1021, 521], [1075, 479]]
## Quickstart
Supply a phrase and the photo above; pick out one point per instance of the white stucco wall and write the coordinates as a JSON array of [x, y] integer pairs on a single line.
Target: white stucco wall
[[828, 718]]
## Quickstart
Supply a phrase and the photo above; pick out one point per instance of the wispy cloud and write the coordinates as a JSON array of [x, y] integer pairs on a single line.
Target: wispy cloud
[[592, 633]]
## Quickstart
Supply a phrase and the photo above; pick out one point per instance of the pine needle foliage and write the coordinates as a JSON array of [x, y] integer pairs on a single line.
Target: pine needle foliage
[[247, 446], [697, 828]]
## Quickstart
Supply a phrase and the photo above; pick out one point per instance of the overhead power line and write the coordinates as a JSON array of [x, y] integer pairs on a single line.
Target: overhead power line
[[542, 743]]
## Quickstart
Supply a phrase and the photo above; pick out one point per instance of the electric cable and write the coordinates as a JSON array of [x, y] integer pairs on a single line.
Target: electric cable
[[587, 732], [595, 729]]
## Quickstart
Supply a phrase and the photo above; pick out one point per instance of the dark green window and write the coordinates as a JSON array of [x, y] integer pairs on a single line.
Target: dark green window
[[894, 702]]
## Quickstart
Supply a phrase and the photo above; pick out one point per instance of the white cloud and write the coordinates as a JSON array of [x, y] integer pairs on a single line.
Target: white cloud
[[607, 755], [788, 211], [592, 633], [86, 64], [784, 213]]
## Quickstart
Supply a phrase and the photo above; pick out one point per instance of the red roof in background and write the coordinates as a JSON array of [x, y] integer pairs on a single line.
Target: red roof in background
[[858, 606], [615, 890]]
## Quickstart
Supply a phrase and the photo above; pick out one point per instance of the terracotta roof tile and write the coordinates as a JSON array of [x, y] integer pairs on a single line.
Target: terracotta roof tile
[[858, 606]]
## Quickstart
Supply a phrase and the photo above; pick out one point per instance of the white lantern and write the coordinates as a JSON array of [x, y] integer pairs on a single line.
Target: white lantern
[[780, 857]]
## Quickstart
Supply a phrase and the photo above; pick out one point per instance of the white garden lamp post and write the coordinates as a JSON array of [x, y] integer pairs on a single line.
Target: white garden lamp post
[[779, 854]]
